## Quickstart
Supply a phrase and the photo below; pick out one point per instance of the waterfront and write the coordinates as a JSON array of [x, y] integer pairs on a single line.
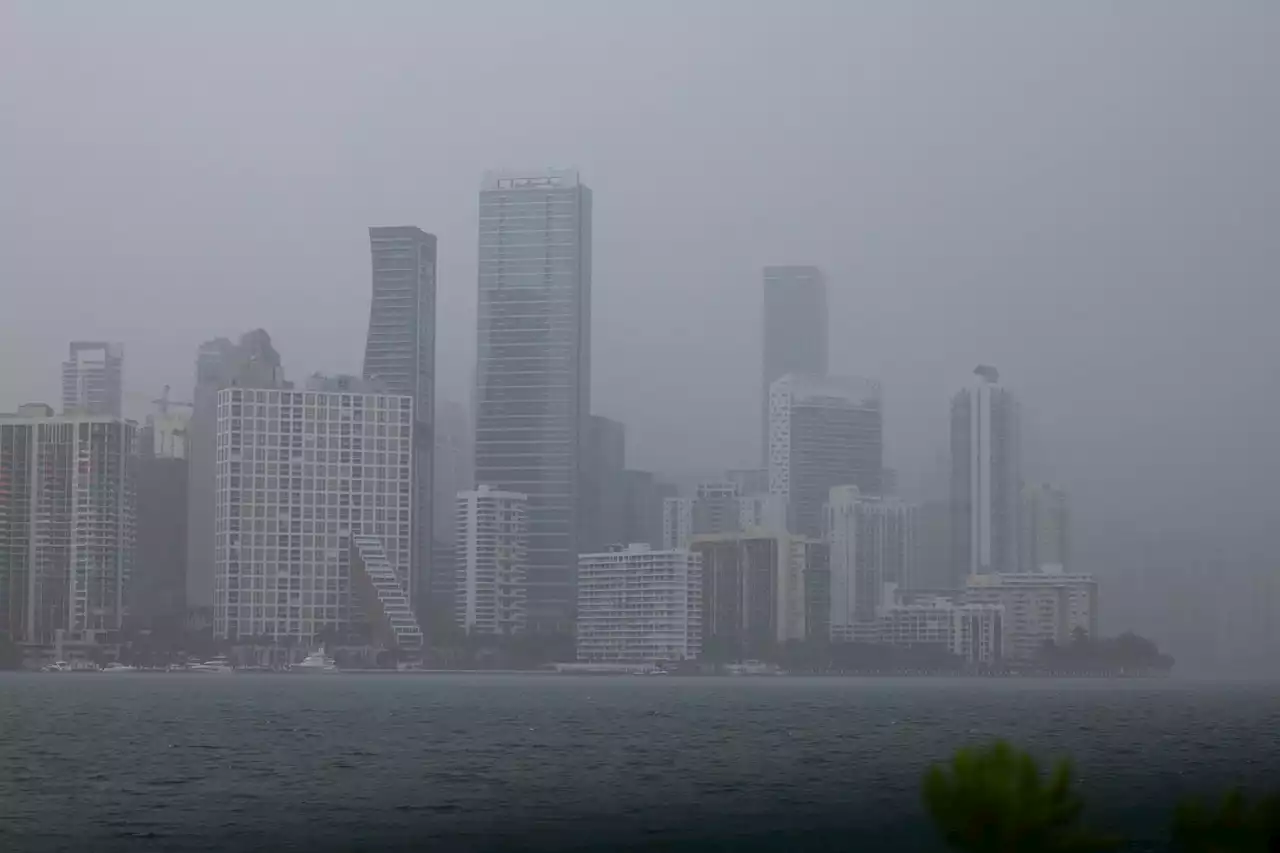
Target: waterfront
[[190, 762]]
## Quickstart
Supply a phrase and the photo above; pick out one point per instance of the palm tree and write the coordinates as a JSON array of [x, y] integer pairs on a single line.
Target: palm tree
[[1235, 826], [994, 800]]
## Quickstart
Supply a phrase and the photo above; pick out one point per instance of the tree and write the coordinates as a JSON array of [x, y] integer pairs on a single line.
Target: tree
[[994, 800], [1235, 826]]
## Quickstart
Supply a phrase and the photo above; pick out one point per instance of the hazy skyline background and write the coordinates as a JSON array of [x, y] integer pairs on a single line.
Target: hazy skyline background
[[1085, 195]]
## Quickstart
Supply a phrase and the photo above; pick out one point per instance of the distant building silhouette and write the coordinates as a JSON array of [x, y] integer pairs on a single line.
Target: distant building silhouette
[[794, 333], [93, 380]]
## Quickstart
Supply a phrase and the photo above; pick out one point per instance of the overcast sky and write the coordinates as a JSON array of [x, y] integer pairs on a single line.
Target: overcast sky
[[1085, 194]]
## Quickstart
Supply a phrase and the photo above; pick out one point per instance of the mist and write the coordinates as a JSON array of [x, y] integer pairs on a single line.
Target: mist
[[1085, 195]]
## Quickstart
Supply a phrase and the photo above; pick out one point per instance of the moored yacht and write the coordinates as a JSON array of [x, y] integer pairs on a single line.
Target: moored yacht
[[219, 664], [317, 661]]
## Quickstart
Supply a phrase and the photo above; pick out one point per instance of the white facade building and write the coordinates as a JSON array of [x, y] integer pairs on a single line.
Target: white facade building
[[873, 545], [492, 542], [639, 606], [969, 631], [985, 477], [1038, 607], [301, 475], [762, 512]]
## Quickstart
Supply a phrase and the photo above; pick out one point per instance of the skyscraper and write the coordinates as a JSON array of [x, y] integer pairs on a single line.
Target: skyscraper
[[159, 583], [823, 432], [251, 363], [873, 543], [67, 525], [400, 355], [795, 331], [985, 478], [533, 382], [93, 380]]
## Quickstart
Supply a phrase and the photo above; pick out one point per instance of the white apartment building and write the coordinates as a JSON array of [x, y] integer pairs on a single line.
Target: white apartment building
[[637, 605], [68, 517], [873, 544], [492, 543], [969, 631], [1038, 607], [300, 476]]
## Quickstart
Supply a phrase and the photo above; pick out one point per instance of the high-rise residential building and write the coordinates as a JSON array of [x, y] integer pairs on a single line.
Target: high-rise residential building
[[93, 380], [873, 546], [643, 497], [985, 478], [67, 525], [640, 606], [158, 590], [400, 355], [492, 541], [762, 511], [1038, 607], [972, 632], [251, 363], [1045, 538], [451, 470], [823, 432], [314, 507], [677, 523], [603, 489], [533, 383], [754, 592], [795, 331]]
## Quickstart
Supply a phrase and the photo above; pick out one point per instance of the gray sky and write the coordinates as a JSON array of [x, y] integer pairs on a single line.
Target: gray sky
[[1084, 194]]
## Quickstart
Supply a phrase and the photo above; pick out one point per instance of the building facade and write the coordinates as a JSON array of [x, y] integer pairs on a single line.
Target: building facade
[[873, 545], [533, 382], [972, 632], [638, 605], [251, 363], [93, 380], [1038, 608], [400, 355], [492, 544], [603, 490], [68, 517], [794, 335], [1045, 539], [677, 524], [300, 476], [823, 432], [158, 590], [985, 478], [754, 593]]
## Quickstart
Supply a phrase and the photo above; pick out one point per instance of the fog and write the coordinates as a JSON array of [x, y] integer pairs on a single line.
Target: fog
[[1085, 195]]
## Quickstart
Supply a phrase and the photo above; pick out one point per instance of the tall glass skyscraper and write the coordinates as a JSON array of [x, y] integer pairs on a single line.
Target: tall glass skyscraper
[[400, 357], [533, 382], [795, 331]]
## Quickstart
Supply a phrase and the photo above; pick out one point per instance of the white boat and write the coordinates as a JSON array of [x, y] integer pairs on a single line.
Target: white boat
[[56, 666], [220, 665], [116, 666], [317, 661]]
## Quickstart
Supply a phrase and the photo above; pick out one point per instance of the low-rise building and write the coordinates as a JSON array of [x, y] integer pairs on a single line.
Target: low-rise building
[[1038, 607]]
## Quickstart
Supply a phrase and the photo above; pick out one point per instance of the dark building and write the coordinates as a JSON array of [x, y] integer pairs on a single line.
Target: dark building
[[794, 333], [400, 355], [159, 584], [740, 585], [603, 491], [533, 364], [642, 507], [817, 591]]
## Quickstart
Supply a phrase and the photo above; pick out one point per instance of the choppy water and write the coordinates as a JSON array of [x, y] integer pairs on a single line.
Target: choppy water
[[191, 762]]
